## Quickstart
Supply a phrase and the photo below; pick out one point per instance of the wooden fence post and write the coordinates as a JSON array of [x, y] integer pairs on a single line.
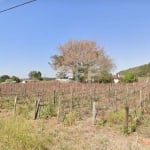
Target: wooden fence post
[[141, 103], [37, 106], [116, 107], [15, 103], [54, 97], [126, 117], [94, 113], [58, 111], [91, 98]]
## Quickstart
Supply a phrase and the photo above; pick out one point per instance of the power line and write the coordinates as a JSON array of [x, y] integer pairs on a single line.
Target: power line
[[17, 6]]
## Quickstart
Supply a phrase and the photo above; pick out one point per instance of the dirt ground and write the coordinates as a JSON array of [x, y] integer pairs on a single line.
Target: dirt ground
[[85, 136]]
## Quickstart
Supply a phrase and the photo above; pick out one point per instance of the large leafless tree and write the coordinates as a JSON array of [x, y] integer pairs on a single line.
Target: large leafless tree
[[81, 57]]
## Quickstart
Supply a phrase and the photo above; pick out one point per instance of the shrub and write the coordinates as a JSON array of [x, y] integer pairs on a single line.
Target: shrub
[[103, 77], [129, 77]]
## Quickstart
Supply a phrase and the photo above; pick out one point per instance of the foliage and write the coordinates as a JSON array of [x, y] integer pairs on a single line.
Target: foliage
[[129, 77], [103, 77], [82, 58], [48, 111], [3, 78], [61, 75], [131, 128], [139, 71], [14, 78], [8, 79], [117, 118], [35, 75]]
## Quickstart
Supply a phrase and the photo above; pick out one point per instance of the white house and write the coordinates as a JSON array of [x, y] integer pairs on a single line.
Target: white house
[[116, 78]]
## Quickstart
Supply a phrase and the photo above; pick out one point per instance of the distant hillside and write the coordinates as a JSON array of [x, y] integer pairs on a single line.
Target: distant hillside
[[140, 71]]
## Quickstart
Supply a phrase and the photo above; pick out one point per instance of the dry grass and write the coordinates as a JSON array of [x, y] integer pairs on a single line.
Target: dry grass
[[46, 134], [84, 136], [75, 131]]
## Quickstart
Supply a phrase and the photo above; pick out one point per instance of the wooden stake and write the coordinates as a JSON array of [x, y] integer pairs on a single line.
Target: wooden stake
[[37, 106], [116, 108], [58, 111], [126, 117], [141, 102], [94, 113], [54, 97], [15, 103]]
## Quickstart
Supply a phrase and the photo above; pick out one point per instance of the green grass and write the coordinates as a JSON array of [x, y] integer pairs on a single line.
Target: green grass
[[16, 133]]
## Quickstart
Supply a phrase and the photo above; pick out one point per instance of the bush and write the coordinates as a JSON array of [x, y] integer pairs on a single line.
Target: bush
[[103, 77], [48, 111], [129, 77]]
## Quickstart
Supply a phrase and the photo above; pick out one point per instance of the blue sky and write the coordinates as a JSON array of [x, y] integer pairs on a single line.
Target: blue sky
[[30, 35]]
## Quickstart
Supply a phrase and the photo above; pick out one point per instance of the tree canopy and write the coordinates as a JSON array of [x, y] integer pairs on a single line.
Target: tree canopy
[[14, 78], [35, 75], [8, 79], [129, 77], [3, 78], [84, 59]]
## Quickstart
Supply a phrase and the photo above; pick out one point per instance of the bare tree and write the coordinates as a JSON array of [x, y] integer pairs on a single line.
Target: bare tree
[[82, 58]]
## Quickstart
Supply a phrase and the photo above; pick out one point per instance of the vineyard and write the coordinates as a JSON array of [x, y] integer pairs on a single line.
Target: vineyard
[[123, 107]]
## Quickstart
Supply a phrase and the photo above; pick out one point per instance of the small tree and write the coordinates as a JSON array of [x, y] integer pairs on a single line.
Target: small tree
[[35, 75]]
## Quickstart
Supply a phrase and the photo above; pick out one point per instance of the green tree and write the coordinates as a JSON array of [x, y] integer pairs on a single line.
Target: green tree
[[82, 58], [129, 77], [14, 78], [3, 78], [103, 77], [35, 75]]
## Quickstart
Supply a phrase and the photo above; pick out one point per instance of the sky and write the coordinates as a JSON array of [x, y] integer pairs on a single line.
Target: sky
[[31, 34]]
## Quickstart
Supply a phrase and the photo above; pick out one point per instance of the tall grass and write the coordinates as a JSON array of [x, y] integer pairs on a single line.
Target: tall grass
[[17, 133]]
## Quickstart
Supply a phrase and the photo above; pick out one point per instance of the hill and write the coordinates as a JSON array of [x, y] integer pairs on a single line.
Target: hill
[[140, 71]]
